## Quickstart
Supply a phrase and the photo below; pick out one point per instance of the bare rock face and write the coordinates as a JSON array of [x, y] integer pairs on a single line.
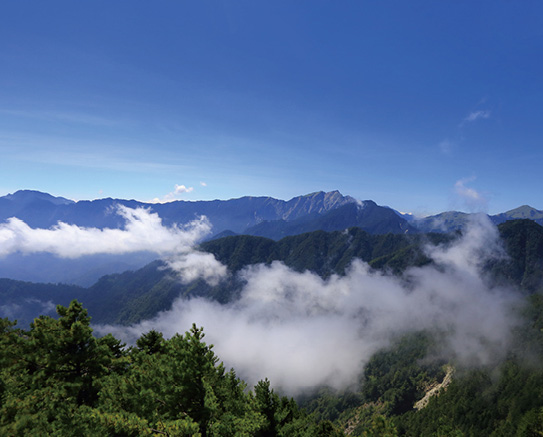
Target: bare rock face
[[319, 202], [435, 389]]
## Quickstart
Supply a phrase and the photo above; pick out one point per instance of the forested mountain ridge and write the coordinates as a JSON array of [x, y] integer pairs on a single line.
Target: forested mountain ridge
[[323, 252], [98, 388], [57, 379], [260, 216], [523, 242], [135, 295]]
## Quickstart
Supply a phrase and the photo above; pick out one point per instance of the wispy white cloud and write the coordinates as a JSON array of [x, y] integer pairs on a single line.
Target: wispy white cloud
[[62, 116], [77, 152], [471, 198], [446, 146], [203, 184], [477, 115]]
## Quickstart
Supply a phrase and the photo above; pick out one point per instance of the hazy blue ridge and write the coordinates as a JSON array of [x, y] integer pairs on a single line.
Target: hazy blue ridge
[[368, 216], [522, 212], [263, 216], [40, 210], [449, 221]]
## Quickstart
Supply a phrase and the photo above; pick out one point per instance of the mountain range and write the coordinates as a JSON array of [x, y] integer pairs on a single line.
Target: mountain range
[[262, 216], [258, 216], [41, 210], [131, 296], [322, 233]]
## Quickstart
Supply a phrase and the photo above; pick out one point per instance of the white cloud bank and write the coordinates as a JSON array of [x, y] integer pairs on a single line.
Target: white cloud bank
[[302, 331], [143, 231], [298, 329]]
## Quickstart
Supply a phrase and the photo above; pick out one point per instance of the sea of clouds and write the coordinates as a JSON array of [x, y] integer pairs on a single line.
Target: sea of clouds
[[298, 329]]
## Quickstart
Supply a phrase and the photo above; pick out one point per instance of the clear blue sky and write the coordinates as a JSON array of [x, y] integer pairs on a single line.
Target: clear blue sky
[[420, 105]]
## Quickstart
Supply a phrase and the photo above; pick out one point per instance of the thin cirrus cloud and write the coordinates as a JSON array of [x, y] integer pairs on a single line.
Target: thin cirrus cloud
[[471, 198], [477, 115], [143, 231], [75, 152], [447, 146], [62, 117]]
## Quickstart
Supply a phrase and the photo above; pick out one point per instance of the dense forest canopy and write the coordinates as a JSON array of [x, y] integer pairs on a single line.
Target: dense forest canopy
[[57, 378]]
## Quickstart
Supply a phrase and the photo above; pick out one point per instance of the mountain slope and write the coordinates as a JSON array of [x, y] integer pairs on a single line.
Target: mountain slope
[[522, 212], [322, 252], [448, 221], [135, 295], [42, 210], [523, 241], [367, 216]]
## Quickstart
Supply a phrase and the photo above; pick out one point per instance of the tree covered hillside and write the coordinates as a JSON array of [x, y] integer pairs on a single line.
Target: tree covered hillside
[[57, 379], [133, 296]]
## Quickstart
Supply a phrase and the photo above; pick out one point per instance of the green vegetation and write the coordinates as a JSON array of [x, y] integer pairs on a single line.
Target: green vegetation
[[325, 253], [57, 379], [133, 296], [523, 241], [502, 399]]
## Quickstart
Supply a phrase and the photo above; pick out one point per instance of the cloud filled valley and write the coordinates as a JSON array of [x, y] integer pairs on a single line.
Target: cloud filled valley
[[296, 328], [303, 331], [376, 314]]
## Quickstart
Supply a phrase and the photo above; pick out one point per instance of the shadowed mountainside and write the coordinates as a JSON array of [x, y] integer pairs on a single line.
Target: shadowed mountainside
[[135, 295]]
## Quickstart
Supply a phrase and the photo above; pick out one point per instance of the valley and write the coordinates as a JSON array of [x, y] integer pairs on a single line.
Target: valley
[[403, 311]]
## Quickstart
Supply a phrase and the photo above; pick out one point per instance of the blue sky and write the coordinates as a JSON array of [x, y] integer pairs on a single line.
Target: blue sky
[[424, 106]]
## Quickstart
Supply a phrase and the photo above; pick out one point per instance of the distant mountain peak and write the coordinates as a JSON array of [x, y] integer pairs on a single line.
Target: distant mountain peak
[[524, 211], [318, 202], [27, 196]]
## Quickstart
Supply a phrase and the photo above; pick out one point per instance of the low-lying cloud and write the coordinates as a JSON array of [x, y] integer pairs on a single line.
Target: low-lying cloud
[[302, 331], [143, 232], [299, 329]]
